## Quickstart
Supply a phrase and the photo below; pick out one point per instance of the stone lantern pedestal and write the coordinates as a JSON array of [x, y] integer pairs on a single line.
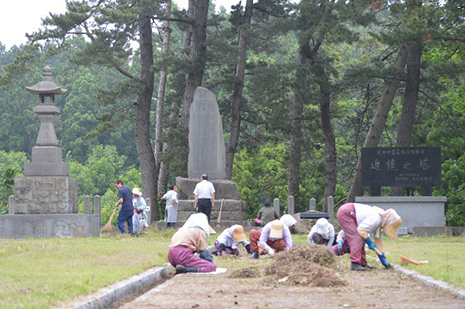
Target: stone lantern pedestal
[[46, 199]]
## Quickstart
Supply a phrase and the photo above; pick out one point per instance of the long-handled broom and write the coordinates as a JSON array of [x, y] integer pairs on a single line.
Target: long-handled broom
[[108, 228]]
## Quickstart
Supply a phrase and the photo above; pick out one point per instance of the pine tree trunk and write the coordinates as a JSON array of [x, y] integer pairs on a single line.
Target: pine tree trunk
[[407, 118], [379, 119], [142, 114], [295, 151], [161, 92], [238, 89], [197, 57], [328, 135]]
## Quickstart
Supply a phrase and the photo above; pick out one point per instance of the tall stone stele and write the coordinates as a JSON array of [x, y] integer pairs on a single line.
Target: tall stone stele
[[207, 156], [46, 199]]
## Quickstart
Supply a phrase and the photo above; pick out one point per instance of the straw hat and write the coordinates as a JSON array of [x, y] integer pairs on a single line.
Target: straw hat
[[276, 229], [391, 230], [239, 234], [136, 191]]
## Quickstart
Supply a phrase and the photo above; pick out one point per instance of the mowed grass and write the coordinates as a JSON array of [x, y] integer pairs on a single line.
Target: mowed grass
[[38, 273], [445, 256]]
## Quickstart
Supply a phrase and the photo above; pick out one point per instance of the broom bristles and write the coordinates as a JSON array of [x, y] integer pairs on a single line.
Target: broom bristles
[[108, 227]]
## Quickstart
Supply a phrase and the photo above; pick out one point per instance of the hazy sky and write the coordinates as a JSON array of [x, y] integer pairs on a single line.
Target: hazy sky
[[18, 17]]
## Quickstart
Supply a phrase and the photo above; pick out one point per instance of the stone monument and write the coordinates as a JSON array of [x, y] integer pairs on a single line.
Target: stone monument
[[406, 167], [207, 155], [46, 199]]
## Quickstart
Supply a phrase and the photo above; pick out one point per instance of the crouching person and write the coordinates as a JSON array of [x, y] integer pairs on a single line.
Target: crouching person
[[190, 239], [322, 233], [275, 237], [228, 241], [342, 246]]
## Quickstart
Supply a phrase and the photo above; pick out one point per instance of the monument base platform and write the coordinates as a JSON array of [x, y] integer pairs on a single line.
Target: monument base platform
[[49, 225], [415, 211], [234, 211], [223, 189]]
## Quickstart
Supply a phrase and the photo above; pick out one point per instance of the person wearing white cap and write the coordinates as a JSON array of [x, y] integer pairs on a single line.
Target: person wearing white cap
[[322, 233], [359, 221], [289, 221], [171, 209], [192, 238], [275, 236], [139, 218], [228, 241]]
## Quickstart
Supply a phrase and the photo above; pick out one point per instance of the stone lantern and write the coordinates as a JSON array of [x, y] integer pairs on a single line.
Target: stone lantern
[[45, 203], [46, 156]]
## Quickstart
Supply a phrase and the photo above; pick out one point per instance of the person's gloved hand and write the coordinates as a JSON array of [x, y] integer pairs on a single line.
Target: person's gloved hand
[[370, 244], [206, 255], [116, 205], [339, 244], [247, 247], [270, 251], [383, 260]]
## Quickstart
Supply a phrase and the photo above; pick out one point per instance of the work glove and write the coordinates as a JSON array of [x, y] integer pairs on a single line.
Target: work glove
[[206, 255], [270, 251], [370, 244], [247, 247], [383, 260], [339, 244], [116, 205]]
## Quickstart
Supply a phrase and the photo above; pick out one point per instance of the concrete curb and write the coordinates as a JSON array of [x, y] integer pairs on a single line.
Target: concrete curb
[[104, 297], [438, 284]]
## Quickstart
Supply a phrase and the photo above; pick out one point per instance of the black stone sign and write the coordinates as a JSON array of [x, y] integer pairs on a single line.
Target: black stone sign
[[401, 167]]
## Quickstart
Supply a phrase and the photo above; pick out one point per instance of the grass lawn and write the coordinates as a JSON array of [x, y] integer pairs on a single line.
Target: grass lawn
[[445, 256], [38, 273]]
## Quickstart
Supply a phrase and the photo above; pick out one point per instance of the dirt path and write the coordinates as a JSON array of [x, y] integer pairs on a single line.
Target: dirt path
[[378, 288]]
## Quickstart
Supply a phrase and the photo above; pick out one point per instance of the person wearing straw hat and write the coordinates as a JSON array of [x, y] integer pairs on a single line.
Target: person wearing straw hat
[[190, 239], [322, 233], [139, 218], [275, 236], [171, 209], [127, 209], [229, 240], [359, 222]]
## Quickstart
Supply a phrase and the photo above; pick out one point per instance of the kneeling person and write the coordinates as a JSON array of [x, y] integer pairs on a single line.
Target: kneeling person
[[275, 236], [322, 233], [190, 239], [229, 240]]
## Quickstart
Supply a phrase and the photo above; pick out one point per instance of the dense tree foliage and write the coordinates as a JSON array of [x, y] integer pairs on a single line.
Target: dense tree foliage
[[301, 86]]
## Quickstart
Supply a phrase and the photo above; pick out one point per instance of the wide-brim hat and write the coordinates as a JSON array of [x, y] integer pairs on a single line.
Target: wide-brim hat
[[136, 191], [391, 230], [239, 234], [276, 229]]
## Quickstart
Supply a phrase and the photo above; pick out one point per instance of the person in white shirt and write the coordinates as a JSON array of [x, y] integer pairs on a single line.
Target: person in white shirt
[[204, 196], [359, 222], [322, 233], [171, 209], [139, 218], [229, 240], [274, 237]]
